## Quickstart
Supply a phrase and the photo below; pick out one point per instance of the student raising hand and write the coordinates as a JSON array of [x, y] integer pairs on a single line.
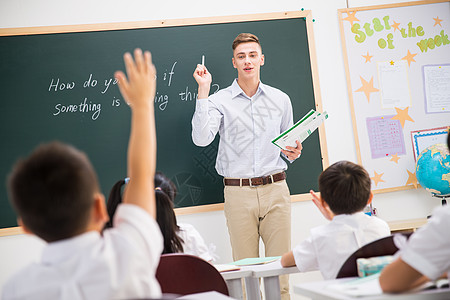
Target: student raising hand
[[141, 83]]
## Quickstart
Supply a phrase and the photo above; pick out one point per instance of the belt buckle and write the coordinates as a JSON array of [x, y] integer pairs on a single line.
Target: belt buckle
[[250, 183], [254, 185]]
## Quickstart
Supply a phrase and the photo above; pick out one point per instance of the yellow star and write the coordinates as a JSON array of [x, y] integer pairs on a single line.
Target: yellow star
[[395, 26], [411, 178], [367, 88], [402, 116], [410, 58], [392, 62], [377, 178], [367, 57], [351, 17], [437, 21], [395, 158]]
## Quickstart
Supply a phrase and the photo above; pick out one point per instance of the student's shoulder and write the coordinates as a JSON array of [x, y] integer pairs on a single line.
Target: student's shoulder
[[22, 283]]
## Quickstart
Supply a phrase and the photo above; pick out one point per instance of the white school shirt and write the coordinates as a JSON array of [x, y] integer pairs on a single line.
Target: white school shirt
[[246, 127], [428, 249], [329, 246], [193, 243], [119, 265]]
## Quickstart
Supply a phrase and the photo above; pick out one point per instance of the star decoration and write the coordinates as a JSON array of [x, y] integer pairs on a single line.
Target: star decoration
[[395, 158], [367, 88], [377, 178], [410, 58], [437, 21], [367, 57], [412, 179], [392, 62], [351, 17], [402, 116], [395, 26]]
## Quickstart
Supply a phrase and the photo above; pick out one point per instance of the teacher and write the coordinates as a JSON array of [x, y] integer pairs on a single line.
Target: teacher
[[248, 115]]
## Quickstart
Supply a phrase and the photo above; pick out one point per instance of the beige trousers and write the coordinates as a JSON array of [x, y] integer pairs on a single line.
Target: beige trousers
[[263, 211]]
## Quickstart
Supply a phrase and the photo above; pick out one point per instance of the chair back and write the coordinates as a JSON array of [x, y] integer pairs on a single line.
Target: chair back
[[380, 247], [185, 274]]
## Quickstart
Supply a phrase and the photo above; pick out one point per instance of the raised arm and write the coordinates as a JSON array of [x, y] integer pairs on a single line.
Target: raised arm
[[138, 90], [206, 119]]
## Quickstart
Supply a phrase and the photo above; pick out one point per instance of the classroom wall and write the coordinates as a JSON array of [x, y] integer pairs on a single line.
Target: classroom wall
[[17, 251]]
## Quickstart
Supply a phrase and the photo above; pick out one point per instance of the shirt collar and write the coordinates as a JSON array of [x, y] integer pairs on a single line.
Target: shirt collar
[[59, 251], [236, 89]]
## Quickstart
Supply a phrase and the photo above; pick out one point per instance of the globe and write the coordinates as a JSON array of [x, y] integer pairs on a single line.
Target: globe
[[433, 169]]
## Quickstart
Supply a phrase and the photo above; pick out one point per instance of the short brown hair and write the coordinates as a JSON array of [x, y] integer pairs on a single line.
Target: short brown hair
[[245, 38], [52, 191], [345, 187]]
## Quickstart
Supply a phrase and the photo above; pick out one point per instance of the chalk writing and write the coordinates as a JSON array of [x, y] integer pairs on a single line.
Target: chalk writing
[[83, 107]]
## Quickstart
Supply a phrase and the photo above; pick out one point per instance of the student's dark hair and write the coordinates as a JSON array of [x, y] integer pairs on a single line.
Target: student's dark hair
[[345, 187], [165, 192], [167, 221], [166, 185], [114, 199], [52, 191], [245, 38]]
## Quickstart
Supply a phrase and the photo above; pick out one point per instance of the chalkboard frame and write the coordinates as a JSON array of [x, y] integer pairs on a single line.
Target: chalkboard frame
[[305, 14]]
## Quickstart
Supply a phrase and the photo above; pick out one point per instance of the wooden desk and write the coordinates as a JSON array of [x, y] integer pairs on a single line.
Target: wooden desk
[[406, 225], [318, 291]]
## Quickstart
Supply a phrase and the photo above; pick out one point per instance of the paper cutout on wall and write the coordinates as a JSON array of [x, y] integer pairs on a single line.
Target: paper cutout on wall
[[385, 136], [437, 88], [394, 84]]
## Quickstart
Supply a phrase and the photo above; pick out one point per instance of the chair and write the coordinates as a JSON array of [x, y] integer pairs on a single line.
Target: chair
[[186, 274], [380, 247]]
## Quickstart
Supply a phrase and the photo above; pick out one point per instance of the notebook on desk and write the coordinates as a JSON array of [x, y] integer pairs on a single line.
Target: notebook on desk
[[255, 261]]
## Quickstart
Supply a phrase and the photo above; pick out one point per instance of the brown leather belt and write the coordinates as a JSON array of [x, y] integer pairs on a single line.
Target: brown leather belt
[[255, 181]]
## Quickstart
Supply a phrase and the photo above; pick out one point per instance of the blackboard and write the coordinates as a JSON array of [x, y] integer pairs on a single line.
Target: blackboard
[[60, 86]]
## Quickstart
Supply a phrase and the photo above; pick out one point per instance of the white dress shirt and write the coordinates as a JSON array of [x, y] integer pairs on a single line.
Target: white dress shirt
[[121, 264], [193, 243], [329, 246], [246, 127], [428, 249]]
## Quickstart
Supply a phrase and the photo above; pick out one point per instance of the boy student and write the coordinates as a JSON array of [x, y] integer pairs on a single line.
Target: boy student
[[56, 196], [248, 115], [344, 192], [426, 256]]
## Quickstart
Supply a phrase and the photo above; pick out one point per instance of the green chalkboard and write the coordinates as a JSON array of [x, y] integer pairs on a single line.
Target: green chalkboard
[[44, 78]]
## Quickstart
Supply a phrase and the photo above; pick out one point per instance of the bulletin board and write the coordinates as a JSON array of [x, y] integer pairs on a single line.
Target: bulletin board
[[397, 61]]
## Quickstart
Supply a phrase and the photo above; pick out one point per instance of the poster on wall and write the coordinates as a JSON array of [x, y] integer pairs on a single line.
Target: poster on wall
[[398, 78]]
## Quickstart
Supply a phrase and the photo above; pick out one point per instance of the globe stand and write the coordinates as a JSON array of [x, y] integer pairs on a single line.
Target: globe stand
[[443, 198]]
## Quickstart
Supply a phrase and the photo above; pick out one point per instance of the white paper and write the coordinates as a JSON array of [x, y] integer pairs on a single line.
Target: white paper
[[394, 84], [437, 88]]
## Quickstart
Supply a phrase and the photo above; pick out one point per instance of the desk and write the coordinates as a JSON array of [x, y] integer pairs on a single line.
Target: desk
[[270, 273], [318, 291], [234, 281]]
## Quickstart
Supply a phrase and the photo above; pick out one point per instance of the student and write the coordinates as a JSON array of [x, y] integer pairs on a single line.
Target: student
[[344, 193], [56, 196], [248, 115], [426, 256], [178, 238]]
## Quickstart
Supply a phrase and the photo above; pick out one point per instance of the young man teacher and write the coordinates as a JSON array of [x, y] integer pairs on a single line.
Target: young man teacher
[[248, 115]]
